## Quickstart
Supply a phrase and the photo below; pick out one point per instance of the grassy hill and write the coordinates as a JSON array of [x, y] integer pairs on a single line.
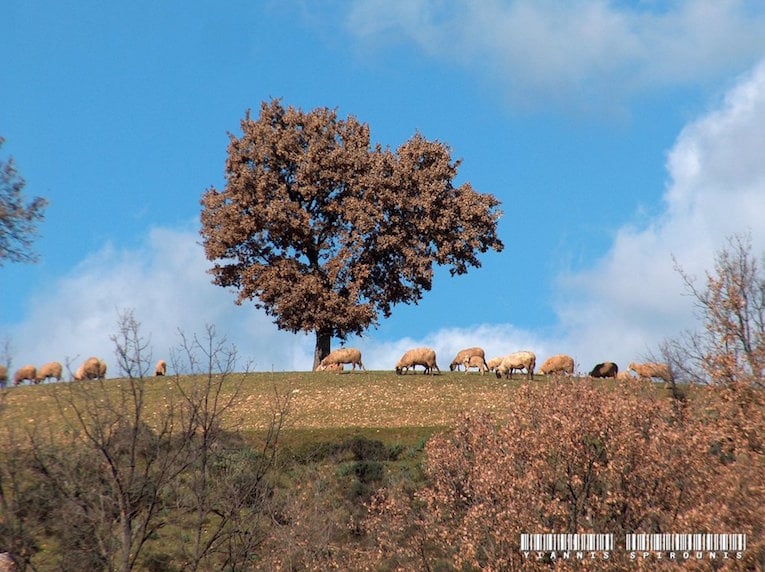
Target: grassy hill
[[394, 408]]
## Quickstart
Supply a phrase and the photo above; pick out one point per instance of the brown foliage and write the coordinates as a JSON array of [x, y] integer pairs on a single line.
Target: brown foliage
[[574, 458], [325, 232], [732, 308]]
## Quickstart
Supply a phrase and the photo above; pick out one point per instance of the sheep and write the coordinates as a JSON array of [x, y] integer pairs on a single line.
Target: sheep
[[342, 356], [425, 357], [465, 355], [605, 369], [91, 368], [495, 362], [3, 375], [560, 363], [476, 361], [52, 369], [625, 375], [160, 368], [334, 367], [23, 373], [651, 369], [518, 360]]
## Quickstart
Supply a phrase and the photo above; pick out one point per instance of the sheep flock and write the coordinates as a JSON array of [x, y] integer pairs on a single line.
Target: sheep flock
[[522, 362], [91, 368]]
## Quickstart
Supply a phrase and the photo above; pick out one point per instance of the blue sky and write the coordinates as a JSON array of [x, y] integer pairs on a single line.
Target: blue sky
[[616, 134]]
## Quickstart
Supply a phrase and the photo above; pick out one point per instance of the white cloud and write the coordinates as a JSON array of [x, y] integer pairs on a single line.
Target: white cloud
[[633, 298], [589, 54], [165, 283]]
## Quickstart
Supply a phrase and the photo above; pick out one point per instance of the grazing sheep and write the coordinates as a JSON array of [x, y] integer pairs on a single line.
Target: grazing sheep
[[334, 367], [605, 369], [560, 363], [650, 370], [342, 356], [23, 373], [493, 363], [476, 361], [465, 355], [161, 368], [425, 357], [3, 375], [625, 375], [52, 369], [92, 368], [518, 360]]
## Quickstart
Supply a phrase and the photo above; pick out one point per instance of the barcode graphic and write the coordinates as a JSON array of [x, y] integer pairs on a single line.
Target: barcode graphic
[[686, 542], [567, 542]]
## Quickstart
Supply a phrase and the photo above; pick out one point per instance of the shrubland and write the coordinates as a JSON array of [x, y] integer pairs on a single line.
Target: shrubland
[[228, 470]]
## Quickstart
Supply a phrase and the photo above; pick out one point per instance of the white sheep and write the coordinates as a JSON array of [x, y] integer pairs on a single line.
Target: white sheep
[[160, 368], [52, 369], [334, 367], [650, 370], [3, 375], [493, 363], [476, 361], [625, 375], [425, 357], [465, 355], [342, 356], [23, 373], [560, 363], [91, 368], [518, 360]]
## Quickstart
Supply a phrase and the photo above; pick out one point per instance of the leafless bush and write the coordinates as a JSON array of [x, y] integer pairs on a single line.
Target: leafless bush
[[225, 495], [131, 457]]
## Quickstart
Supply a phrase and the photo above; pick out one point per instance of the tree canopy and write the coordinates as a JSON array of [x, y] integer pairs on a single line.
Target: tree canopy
[[325, 232], [18, 219]]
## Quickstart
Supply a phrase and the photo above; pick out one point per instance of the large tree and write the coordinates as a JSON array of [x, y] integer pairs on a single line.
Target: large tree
[[326, 233], [18, 219]]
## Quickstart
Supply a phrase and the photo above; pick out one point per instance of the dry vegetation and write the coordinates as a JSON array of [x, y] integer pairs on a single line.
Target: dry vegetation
[[350, 490], [221, 470], [318, 400]]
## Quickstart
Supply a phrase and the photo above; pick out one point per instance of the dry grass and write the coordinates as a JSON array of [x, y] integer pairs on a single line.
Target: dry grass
[[317, 400]]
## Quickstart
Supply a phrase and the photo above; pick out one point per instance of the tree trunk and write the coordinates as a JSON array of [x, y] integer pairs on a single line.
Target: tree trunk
[[323, 341]]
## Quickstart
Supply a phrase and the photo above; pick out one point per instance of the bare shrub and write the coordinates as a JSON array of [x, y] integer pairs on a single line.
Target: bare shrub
[[126, 459], [224, 495]]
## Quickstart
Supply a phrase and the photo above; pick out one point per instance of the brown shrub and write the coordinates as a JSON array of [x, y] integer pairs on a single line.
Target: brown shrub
[[581, 459]]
